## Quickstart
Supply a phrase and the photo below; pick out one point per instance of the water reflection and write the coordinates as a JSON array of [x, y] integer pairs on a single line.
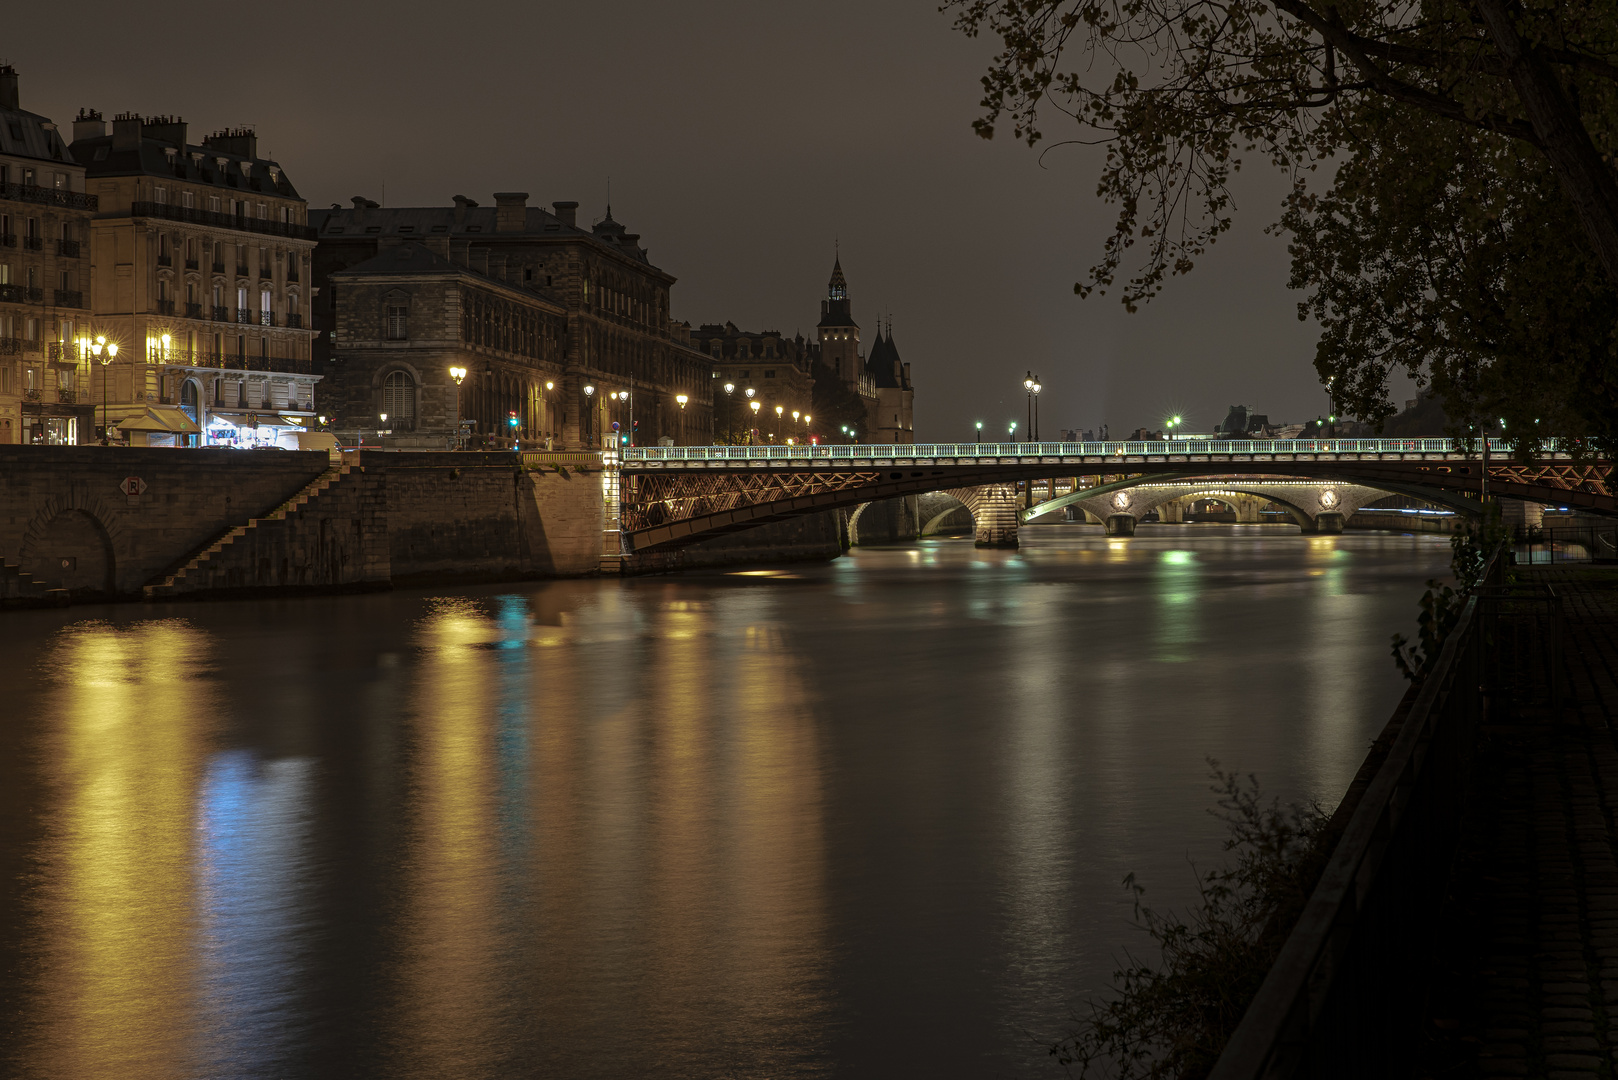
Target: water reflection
[[867, 817]]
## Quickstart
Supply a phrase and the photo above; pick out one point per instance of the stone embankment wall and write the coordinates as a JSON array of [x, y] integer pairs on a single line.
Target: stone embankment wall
[[811, 538], [230, 520]]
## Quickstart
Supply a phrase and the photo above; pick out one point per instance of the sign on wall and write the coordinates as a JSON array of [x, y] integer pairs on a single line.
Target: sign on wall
[[132, 485]]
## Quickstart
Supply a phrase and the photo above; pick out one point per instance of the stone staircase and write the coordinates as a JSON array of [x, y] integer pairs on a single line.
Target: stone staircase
[[19, 588], [187, 577]]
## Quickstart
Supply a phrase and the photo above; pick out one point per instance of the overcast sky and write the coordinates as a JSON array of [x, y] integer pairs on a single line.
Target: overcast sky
[[742, 140]]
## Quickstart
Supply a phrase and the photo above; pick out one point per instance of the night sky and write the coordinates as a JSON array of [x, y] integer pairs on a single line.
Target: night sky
[[742, 141]]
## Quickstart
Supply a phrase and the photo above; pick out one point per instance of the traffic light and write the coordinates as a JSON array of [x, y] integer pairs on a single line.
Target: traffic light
[[511, 418]]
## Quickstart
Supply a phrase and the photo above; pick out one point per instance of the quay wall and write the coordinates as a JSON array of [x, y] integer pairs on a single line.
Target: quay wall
[[67, 527]]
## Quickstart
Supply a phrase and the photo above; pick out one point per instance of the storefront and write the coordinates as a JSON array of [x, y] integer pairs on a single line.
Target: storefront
[[160, 425], [250, 430]]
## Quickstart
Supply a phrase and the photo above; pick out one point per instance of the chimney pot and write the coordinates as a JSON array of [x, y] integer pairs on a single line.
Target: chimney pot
[[568, 212]]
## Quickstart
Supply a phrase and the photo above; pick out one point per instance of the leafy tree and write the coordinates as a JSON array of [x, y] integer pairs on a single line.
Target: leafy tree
[[1501, 117]]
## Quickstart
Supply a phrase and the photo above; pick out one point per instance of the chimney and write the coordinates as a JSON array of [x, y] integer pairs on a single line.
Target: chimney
[[242, 142], [88, 125], [513, 213], [567, 211], [8, 87], [461, 204], [125, 132], [168, 130], [360, 203]]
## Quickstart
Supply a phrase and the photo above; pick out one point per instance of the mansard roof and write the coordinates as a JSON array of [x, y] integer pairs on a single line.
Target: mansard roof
[[161, 150], [416, 260], [470, 221]]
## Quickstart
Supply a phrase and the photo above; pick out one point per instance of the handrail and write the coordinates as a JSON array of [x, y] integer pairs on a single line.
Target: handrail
[[1175, 450], [1288, 1021]]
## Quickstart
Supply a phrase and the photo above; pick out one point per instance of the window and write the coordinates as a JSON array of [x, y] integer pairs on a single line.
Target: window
[[31, 329], [59, 180], [398, 314], [160, 195], [213, 204], [241, 298], [263, 212], [65, 281], [285, 215], [27, 174], [399, 400], [264, 301], [769, 374], [5, 273], [188, 200]]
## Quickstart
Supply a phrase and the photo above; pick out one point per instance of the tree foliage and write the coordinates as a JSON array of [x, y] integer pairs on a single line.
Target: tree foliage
[[1454, 210]]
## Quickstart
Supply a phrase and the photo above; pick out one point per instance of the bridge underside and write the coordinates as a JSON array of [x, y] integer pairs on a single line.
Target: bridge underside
[[671, 506]]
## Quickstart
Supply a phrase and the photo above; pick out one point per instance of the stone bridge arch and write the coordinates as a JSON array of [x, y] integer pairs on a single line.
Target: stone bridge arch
[[1315, 505], [73, 542]]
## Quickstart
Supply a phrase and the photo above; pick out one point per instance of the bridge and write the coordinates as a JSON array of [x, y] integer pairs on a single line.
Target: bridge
[[669, 496]]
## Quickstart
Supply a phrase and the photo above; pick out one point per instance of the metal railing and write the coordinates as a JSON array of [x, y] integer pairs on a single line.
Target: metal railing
[[1568, 544], [33, 243], [72, 200], [266, 318], [165, 307], [69, 248], [1340, 999], [193, 310], [219, 268], [191, 264], [221, 314], [295, 322], [10, 346], [165, 260], [221, 221], [21, 294], [69, 298], [8, 239], [1155, 450], [245, 315]]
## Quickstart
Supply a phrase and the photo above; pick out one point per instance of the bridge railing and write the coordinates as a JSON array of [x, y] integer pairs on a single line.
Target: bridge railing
[[1341, 999], [1151, 448]]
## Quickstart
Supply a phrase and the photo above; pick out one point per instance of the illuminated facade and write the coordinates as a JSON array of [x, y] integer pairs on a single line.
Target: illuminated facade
[[200, 255], [44, 220]]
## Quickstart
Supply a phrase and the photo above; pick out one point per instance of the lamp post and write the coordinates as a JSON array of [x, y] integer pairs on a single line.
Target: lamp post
[[457, 373], [105, 352], [589, 408], [1011, 430], [779, 409], [754, 406], [730, 424], [682, 399], [1331, 409], [1034, 434], [1171, 423], [808, 434], [1028, 388], [978, 438]]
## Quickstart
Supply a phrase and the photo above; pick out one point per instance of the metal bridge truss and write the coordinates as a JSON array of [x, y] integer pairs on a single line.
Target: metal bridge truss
[[668, 503]]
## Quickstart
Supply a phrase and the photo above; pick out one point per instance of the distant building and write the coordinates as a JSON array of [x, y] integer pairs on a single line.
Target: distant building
[[44, 223], [200, 269], [574, 307], [776, 368], [883, 379]]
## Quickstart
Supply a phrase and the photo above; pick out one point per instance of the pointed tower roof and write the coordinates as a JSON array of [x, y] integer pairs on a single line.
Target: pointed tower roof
[[837, 287]]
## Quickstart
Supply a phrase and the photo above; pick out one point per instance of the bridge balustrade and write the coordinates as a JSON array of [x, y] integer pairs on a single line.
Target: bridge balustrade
[[1155, 448]]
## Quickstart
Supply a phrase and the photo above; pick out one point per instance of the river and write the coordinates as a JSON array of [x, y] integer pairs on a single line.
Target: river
[[862, 818]]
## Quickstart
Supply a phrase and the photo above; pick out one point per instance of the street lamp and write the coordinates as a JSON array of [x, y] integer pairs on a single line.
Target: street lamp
[[589, 407], [1012, 431], [779, 409], [1034, 434], [754, 406], [1172, 423], [98, 348], [730, 424], [457, 373], [979, 437], [1028, 388]]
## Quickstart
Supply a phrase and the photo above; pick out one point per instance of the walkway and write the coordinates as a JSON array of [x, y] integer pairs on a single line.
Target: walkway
[[1526, 981]]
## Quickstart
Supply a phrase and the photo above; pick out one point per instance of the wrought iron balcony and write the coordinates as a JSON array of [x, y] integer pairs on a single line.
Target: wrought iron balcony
[[70, 248], [219, 268], [59, 352], [67, 397], [8, 239], [72, 200], [193, 311], [33, 243], [70, 298], [32, 394], [221, 314], [292, 274], [210, 218], [264, 273], [21, 294], [241, 271], [190, 264], [165, 260], [295, 322], [10, 346], [165, 307], [244, 315], [266, 318]]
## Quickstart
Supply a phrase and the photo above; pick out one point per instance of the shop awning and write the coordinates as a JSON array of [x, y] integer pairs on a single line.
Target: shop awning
[[163, 418], [266, 418]]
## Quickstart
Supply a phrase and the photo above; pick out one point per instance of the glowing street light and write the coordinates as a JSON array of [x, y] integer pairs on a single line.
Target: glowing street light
[[754, 406], [980, 431], [110, 349], [457, 373]]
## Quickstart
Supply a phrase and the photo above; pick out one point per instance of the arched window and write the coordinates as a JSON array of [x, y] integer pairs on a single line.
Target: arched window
[[399, 400]]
